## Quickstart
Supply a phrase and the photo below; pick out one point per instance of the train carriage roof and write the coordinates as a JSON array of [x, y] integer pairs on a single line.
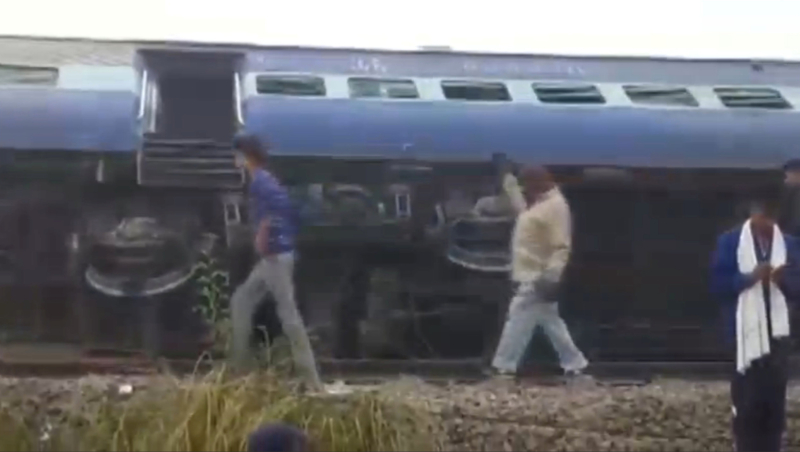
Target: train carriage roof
[[442, 131], [55, 119]]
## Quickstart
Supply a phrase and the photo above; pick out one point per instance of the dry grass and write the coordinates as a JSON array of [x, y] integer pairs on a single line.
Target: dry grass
[[211, 413]]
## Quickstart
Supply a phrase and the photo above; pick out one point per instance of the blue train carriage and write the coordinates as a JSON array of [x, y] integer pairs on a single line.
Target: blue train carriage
[[654, 155], [387, 154]]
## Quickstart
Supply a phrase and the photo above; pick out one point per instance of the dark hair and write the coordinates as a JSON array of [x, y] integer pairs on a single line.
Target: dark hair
[[762, 204], [277, 438], [536, 177], [251, 147], [792, 165]]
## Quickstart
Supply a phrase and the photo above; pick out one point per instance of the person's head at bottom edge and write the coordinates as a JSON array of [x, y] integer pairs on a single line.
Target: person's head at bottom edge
[[278, 438]]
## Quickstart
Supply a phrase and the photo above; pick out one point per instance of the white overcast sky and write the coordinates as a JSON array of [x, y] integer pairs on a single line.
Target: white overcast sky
[[683, 28]]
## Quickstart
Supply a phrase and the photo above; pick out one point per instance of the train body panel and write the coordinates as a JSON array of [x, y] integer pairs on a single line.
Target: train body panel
[[93, 81], [68, 120], [81, 120], [440, 131]]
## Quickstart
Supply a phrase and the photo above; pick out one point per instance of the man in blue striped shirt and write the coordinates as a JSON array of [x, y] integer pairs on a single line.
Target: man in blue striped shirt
[[274, 222]]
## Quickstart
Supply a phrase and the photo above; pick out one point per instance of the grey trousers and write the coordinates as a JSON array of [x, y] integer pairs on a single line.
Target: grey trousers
[[272, 274]]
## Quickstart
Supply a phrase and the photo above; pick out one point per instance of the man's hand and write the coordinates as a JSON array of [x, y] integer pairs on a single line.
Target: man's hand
[[510, 182], [777, 274], [514, 192], [547, 289], [761, 273], [261, 244]]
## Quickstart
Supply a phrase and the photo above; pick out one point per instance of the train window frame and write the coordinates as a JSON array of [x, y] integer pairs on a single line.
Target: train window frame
[[409, 83], [25, 74], [594, 97], [776, 101], [449, 84], [317, 81], [683, 97]]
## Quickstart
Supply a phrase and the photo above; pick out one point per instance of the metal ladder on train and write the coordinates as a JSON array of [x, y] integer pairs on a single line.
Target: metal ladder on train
[[188, 164]]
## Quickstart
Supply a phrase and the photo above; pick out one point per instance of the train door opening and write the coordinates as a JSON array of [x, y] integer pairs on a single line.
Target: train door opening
[[199, 107], [190, 110], [193, 95]]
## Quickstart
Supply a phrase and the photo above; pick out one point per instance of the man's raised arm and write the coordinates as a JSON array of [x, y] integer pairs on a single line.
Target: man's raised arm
[[514, 193]]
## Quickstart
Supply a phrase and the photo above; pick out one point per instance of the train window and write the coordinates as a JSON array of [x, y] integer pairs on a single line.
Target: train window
[[567, 93], [474, 90], [291, 85], [28, 75], [381, 87], [660, 95], [740, 97]]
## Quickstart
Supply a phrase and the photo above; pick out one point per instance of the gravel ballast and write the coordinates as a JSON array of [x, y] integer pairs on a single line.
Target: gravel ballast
[[666, 415]]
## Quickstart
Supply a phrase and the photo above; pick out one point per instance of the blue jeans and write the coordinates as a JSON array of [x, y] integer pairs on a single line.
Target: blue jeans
[[526, 313]]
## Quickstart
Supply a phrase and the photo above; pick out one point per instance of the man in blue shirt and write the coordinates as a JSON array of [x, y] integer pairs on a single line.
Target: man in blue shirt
[[274, 222], [755, 277]]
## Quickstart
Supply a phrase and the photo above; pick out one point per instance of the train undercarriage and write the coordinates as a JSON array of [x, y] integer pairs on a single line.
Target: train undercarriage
[[109, 265]]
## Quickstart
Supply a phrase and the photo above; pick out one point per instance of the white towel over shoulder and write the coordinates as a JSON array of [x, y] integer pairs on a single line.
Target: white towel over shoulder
[[752, 335]]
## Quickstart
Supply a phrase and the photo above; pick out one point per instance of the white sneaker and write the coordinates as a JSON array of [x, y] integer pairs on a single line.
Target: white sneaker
[[337, 388], [494, 372], [578, 377]]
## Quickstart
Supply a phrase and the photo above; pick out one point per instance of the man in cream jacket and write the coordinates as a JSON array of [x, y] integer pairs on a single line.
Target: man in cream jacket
[[540, 246]]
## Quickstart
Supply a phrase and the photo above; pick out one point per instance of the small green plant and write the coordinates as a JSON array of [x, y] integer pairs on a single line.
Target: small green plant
[[213, 288], [214, 291]]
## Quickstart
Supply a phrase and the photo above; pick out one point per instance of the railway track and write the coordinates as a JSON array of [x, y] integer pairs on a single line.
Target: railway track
[[37, 361]]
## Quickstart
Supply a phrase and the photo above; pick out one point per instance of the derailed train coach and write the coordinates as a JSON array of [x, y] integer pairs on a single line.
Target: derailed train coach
[[117, 175]]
